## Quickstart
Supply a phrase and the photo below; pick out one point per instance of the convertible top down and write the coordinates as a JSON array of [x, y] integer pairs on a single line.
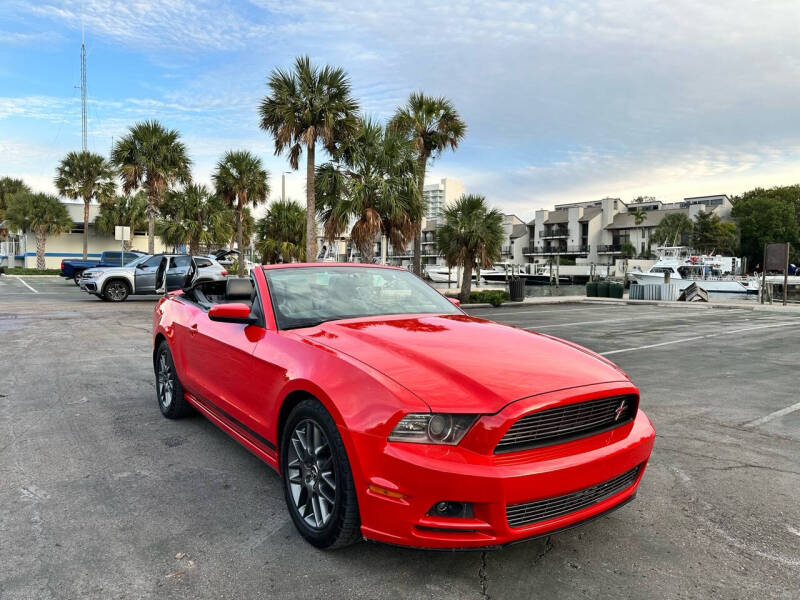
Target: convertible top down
[[392, 415]]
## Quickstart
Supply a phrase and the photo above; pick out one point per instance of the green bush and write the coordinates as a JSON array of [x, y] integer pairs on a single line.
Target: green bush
[[21, 271], [493, 297]]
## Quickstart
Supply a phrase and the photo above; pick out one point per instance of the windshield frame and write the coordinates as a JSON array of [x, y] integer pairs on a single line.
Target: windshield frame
[[451, 309]]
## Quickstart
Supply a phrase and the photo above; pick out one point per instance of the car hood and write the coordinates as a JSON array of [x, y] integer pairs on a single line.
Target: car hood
[[109, 270], [458, 363]]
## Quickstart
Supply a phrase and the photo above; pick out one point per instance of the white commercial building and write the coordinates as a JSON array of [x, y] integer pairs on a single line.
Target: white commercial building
[[22, 246]]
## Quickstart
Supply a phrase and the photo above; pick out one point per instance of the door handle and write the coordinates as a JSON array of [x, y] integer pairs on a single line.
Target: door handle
[[193, 328]]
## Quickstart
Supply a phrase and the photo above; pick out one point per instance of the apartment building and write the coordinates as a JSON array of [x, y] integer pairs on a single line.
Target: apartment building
[[595, 231], [440, 195]]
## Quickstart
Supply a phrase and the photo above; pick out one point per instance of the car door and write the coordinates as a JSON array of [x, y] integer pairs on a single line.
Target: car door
[[144, 277], [220, 357], [176, 273]]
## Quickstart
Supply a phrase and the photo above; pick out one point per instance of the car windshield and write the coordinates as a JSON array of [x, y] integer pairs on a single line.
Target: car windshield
[[138, 260], [308, 296]]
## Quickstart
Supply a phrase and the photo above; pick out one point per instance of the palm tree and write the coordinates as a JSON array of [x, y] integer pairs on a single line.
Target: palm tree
[[41, 213], [434, 125], [192, 218], [152, 158], [675, 227], [304, 106], [639, 217], [281, 234], [471, 236], [374, 182], [241, 180], [125, 211], [85, 176], [8, 188]]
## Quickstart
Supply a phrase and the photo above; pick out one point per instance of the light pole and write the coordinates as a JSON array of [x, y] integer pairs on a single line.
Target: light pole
[[283, 185]]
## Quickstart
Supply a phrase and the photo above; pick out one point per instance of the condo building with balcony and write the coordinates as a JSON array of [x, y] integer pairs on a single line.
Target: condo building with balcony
[[595, 231]]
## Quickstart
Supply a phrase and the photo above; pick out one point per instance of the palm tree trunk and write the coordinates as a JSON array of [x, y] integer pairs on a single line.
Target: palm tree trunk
[[417, 262], [194, 247], [41, 240], [239, 237], [311, 213], [151, 222], [466, 282], [86, 227]]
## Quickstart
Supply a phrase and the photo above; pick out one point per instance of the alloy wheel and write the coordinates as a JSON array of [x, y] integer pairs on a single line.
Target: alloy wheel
[[165, 381], [310, 473], [116, 290]]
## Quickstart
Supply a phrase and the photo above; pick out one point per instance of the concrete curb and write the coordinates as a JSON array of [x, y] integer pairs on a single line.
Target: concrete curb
[[622, 301]]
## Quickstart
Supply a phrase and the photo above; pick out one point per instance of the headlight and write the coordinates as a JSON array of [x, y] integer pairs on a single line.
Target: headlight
[[438, 428], [94, 274]]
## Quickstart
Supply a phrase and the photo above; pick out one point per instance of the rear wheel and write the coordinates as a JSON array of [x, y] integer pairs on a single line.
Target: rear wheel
[[169, 390], [77, 278], [318, 483], [116, 290]]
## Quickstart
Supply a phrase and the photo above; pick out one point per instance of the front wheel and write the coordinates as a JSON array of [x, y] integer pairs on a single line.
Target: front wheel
[[116, 290], [318, 483]]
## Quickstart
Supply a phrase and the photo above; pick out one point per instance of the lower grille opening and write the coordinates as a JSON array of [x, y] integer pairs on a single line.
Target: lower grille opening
[[519, 515]]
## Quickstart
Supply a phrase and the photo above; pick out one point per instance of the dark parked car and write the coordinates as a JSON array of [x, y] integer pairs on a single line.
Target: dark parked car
[[72, 269]]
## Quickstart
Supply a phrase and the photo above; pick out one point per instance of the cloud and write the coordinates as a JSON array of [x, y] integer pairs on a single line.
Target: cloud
[[180, 25], [564, 100]]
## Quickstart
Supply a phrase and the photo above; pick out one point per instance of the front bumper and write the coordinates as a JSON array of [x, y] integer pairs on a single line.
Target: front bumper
[[426, 474], [89, 285]]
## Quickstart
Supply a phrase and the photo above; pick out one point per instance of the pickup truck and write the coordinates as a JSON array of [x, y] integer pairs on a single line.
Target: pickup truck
[[72, 269]]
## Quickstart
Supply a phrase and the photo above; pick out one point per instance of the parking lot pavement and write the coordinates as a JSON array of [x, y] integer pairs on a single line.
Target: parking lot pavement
[[101, 497]]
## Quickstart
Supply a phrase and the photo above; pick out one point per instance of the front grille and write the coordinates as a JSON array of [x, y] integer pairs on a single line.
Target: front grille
[[572, 421], [519, 515]]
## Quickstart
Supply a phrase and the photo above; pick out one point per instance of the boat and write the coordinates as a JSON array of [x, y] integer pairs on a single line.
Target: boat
[[715, 274], [502, 272], [443, 274]]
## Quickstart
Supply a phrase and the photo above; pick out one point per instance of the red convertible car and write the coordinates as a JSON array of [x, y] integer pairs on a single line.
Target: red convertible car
[[392, 415]]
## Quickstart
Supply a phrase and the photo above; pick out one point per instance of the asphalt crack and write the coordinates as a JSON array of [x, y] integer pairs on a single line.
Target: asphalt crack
[[483, 576], [548, 546]]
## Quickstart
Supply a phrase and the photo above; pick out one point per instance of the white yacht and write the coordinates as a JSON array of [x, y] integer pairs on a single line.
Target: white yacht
[[443, 274], [712, 273]]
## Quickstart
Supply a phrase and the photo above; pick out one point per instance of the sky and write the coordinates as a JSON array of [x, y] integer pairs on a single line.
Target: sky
[[564, 100]]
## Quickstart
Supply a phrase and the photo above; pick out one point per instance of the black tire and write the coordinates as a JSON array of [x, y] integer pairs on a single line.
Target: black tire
[[343, 525], [169, 391], [77, 277], [116, 290]]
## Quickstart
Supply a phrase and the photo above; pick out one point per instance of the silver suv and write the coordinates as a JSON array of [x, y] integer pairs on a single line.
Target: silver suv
[[115, 284]]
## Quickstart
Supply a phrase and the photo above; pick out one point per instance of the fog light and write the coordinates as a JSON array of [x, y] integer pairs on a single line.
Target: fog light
[[461, 510]]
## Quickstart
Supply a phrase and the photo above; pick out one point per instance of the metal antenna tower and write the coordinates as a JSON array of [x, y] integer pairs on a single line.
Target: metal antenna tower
[[83, 89]]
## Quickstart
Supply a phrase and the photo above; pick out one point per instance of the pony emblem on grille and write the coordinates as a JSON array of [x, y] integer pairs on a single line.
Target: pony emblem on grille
[[620, 409]]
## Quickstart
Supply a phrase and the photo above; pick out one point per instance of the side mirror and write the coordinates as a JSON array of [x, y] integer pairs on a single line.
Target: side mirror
[[455, 301], [141, 265], [233, 312]]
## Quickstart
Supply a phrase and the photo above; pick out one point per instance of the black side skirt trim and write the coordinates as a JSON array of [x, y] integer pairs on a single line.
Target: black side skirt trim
[[235, 423]]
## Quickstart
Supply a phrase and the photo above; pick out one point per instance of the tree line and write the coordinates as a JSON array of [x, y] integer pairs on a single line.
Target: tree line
[[373, 178]]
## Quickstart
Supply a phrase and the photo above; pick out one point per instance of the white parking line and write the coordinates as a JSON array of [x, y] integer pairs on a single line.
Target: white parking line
[[698, 337], [774, 415], [26, 285]]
